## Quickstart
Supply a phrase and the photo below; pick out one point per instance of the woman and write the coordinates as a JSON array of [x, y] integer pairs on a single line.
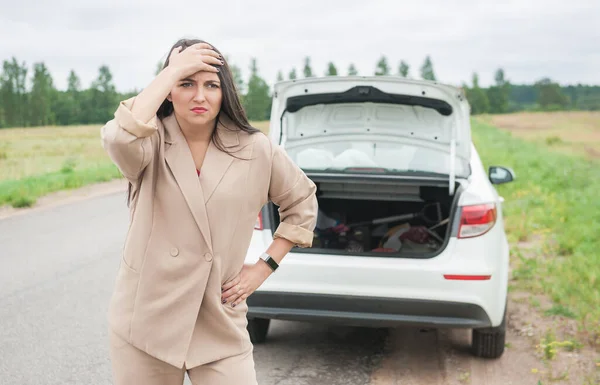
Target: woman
[[199, 175]]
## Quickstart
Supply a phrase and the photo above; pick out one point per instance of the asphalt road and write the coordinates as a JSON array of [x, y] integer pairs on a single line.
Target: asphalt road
[[57, 269]]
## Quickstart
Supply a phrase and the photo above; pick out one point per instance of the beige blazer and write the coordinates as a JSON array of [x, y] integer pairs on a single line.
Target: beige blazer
[[188, 235]]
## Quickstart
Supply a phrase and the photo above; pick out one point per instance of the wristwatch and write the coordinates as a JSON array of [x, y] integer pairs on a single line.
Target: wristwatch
[[269, 261]]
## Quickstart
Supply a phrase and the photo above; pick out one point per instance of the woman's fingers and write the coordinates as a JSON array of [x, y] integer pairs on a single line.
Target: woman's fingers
[[232, 294], [230, 289], [209, 68], [201, 46], [210, 52], [206, 62], [210, 64], [174, 52], [212, 60], [198, 57], [231, 283], [243, 285], [240, 299]]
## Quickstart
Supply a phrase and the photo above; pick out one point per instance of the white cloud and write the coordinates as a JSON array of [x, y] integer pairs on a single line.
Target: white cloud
[[529, 39]]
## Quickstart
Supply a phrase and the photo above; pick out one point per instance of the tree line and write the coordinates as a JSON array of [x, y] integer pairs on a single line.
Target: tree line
[[42, 104], [34, 100]]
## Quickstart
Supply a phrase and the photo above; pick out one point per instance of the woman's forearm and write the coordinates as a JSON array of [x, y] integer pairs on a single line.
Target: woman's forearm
[[149, 100], [279, 248]]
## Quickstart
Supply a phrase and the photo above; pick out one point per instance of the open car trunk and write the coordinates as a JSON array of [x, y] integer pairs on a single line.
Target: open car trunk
[[378, 216], [388, 155]]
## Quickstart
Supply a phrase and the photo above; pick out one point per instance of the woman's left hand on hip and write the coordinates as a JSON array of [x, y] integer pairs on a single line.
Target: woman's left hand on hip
[[245, 283]]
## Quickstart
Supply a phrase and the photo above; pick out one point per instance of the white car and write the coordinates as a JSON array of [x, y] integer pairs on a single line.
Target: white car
[[410, 228]]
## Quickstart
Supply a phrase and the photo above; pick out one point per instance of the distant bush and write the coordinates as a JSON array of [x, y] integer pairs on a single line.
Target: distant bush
[[23, 201], [68, 166], [552, 140]]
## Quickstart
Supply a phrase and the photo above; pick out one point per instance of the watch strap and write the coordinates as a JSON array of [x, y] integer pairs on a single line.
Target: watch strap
[[269, 261]]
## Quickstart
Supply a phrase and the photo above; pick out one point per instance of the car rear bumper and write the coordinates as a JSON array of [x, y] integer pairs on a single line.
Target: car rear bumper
[[404, 285], [365, 311]]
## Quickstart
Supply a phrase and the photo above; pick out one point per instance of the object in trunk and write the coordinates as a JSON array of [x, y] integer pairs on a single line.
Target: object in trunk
[[410, 221]]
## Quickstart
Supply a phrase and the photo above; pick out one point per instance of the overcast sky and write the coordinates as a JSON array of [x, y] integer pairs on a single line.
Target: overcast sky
[[530, 39]]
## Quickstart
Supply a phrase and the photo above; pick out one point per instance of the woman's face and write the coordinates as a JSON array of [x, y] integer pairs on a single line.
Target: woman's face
[[197, 98]]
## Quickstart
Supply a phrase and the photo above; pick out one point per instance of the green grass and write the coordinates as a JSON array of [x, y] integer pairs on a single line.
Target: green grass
[[561, 311], [555, 204], [32, 152], [40, 160], [24, 192]]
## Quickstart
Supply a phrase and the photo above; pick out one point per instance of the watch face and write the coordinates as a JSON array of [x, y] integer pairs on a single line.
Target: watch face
[[270, 261]]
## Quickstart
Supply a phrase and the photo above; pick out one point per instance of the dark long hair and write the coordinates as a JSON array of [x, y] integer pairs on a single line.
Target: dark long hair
[[231, 105]]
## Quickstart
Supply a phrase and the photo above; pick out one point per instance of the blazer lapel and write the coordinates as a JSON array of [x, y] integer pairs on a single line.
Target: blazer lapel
[[216, 162], [180, 161]]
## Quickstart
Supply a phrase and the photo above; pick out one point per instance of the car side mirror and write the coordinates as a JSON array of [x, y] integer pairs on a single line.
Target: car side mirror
[[499, 175]]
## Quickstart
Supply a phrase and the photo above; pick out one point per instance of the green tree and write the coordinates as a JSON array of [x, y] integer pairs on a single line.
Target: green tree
[[382, 67], [67, 105], [427, 69], [550, 95], [499, 77], [352, 70], [62, 108], [104, 81], [583, 97], [477, 97], [237, 78], [331, 70], [307, 68], [41, 97], [103, 96], [257, 101], [73, 83], [279, 76], [13, 95], [292, 75], [403, 69], [498, 94]]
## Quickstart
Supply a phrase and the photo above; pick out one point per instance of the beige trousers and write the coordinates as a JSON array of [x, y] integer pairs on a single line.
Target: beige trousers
[[131, 366]]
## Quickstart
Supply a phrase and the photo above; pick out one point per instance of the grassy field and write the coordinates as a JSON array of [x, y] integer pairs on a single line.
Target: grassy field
[[552, 216], [573, 132], [38, 161], [552, 210]]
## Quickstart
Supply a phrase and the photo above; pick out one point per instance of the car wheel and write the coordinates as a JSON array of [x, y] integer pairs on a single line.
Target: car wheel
[[489, 342], [258, 328]]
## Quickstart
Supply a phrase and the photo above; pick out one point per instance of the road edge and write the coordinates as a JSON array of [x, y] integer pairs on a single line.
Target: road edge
[[64, 197]]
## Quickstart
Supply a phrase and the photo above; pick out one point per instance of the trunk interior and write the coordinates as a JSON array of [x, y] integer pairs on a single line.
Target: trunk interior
[[381, 217]]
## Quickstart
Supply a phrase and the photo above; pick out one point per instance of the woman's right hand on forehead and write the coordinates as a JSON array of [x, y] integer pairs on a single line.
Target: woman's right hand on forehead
[[195, 58]]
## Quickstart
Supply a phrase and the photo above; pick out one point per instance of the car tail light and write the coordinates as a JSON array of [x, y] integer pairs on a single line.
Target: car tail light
[[476, 220], [259, 222]]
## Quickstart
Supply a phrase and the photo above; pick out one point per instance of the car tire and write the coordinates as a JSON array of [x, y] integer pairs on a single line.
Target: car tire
[[489, 342], [258, 329]]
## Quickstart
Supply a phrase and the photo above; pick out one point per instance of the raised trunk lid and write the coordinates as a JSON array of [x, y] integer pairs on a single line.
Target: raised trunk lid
[[373, 124]]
